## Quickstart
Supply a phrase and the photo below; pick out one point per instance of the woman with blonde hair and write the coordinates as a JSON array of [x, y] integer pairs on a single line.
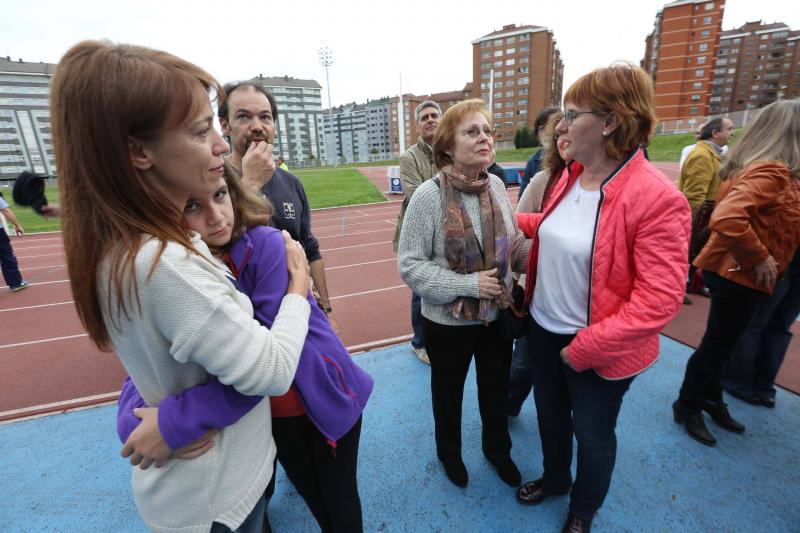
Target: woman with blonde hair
[[134, 140], [458, 246], [755, 231], [605, 274]]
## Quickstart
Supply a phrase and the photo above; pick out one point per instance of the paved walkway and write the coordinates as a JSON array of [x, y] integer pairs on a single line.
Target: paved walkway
[[63, 472]]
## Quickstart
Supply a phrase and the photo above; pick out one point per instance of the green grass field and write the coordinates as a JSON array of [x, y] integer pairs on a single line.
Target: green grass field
[[332, 187]]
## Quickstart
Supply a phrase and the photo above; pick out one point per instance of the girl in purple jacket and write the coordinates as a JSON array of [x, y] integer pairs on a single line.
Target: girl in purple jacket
[[316, 425]]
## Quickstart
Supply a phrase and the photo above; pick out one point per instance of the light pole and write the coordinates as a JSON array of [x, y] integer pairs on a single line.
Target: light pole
[[326, 60]]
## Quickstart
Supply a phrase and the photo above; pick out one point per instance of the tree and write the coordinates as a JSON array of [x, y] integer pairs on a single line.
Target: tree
[[524, 138]]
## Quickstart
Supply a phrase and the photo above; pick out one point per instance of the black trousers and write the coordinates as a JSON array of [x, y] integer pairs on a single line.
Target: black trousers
[[450, 350], [732, 308], [574, 403], [325, 477]]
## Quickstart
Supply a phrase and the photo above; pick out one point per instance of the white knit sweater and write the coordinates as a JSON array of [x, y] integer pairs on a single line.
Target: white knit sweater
[[193, 323], [420, 254]]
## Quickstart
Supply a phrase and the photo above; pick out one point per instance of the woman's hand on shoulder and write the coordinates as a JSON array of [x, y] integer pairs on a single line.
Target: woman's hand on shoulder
[[488, 284], [146, 446], [297, 265], [767, 272]]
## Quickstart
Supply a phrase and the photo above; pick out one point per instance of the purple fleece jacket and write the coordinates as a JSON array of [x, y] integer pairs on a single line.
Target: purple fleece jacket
[[332, 388]]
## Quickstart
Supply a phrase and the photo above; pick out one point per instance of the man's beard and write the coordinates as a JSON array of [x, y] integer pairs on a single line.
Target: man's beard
[[256, 135]]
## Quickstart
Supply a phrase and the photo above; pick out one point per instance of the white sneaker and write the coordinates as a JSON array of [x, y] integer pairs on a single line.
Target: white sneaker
[[421, 354]]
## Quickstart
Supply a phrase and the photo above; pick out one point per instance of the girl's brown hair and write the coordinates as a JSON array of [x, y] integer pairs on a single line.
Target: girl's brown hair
[[552, 162], [102, 96]]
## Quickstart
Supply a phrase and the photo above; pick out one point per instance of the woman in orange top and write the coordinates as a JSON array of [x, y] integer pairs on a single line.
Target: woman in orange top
[[755, 232]]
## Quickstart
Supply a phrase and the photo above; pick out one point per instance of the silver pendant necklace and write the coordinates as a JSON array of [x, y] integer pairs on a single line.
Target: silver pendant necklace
[[578, 197]]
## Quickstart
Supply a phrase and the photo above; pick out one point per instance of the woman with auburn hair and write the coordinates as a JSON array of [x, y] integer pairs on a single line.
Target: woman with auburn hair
[[458, 246], [605, 273], [133, 136], [755, 231]]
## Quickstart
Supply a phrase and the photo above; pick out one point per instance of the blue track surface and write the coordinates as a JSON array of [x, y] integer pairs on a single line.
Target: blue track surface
[[63, 473]]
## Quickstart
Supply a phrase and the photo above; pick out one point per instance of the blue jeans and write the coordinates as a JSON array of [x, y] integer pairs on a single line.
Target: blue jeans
[[418, 341], [752, 368], [520, 380], [8, 261], [256, 521], [574, 403]]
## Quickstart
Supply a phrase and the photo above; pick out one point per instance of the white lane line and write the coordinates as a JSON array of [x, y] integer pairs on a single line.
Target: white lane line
[[42, 282], [40, 341], [60, 406], [327, 268], [363, 293], [32, 256], [38, 306], [355, 246], [26, 269], [38, 247], [354, 233], [345, 224]]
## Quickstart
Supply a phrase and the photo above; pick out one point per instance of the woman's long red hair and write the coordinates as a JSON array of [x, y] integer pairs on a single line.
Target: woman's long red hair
[[102, 96]]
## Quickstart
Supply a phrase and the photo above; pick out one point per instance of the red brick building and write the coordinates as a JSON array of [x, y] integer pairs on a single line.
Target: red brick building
[[519, 69], [680, 56]]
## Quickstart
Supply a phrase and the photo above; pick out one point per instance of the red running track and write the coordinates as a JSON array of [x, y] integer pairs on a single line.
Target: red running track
[[48, 364]]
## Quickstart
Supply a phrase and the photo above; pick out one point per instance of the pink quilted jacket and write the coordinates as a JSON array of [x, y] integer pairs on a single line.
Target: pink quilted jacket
[[639, 265]]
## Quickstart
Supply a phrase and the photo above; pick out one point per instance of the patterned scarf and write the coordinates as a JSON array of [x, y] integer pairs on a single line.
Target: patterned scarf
[[463, 252]]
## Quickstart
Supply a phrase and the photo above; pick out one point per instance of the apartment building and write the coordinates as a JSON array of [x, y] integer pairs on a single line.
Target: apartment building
[[345, 133], [756, 64], [26, 141], [680, 55], [519, 70], [299, 136]]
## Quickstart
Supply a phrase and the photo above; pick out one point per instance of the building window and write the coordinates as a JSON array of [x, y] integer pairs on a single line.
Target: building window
[[706, 21], [523, 59], [698, 84], [498, 42], [509, 62], [523, 91], [510, 83], [523, 111], [508, 114], [699, 72], [498, 63], [510, 51], [522, 102], [509, 73], [705, 33], [498, 74], [498, 53], [701, 60], [523, 81], [525, 37], [525, 48], [498, 84], [695, 97], [509, 40], [485, 44], [485, 76], [703, 47], [693, 110], [522, 70], [485, 54], [498, 105], [485, 66], [709, 6], [498, 115], [731, 71]]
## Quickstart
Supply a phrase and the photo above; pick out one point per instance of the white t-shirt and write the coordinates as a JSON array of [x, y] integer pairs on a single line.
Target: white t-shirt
[[565, 249]]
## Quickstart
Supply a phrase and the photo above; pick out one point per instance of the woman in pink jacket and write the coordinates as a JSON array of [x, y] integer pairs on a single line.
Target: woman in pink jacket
[[606, 272]]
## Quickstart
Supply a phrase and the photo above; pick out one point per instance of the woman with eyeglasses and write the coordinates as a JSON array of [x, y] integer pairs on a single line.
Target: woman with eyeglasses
[[458, 245], [606, 272]]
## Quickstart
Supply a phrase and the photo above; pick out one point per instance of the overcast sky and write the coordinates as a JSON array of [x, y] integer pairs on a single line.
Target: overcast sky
[[428, 41]]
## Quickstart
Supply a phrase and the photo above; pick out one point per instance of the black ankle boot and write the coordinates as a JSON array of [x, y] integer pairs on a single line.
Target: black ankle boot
[[576, 525], [694, 423], [721, 416]]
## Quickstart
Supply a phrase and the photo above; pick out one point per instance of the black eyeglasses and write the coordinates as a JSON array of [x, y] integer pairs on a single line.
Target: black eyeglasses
[[570, 115], [475, 131]]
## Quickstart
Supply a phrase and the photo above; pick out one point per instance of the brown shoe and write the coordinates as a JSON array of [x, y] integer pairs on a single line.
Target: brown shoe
[[576, 525], [534, 492]]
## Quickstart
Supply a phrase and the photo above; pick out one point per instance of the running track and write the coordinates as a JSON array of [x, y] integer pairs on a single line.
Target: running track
[[48, 364]]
